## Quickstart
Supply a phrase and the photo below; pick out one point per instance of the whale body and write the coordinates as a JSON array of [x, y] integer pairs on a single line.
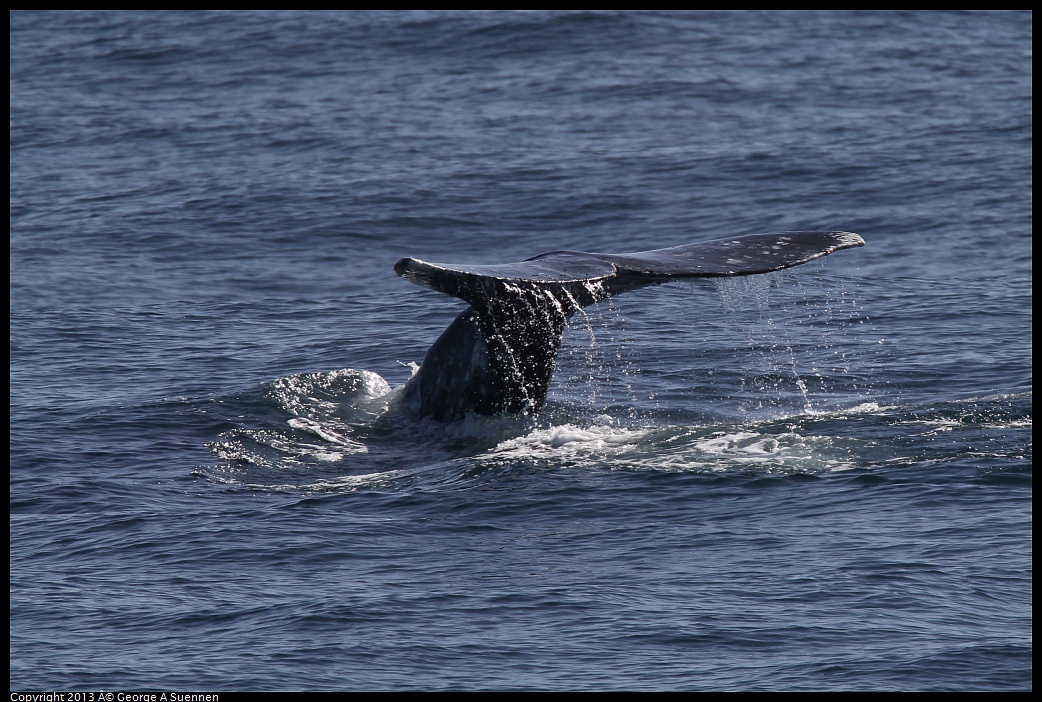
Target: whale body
[[498, 355]]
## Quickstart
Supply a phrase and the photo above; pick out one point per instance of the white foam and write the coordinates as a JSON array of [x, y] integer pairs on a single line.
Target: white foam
[[327, 433], [570, 440]]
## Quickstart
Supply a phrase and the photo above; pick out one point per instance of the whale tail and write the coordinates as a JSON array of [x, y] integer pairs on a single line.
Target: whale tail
[[498, 356]]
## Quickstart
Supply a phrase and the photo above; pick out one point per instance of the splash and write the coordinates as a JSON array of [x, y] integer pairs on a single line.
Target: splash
[[737, 292], [328, 418], [806, 348], [781, 339]]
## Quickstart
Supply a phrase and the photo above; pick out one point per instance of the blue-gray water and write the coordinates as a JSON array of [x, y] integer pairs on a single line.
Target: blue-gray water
[[819, 479]]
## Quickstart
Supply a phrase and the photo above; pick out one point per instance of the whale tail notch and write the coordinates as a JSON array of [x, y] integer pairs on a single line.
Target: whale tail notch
[[498, 355]]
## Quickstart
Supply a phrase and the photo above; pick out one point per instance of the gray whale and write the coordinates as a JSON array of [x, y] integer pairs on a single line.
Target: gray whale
[[498, 355]]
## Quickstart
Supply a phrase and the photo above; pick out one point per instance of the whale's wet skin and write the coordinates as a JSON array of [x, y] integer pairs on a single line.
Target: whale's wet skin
[[498, 356]]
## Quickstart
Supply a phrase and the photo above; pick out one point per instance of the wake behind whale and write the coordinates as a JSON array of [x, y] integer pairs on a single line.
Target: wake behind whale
[[498, 356]]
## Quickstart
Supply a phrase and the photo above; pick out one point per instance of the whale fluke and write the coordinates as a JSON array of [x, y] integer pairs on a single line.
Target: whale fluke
[[498, 355]]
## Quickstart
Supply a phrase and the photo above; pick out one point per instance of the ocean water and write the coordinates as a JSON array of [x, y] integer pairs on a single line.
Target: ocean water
[[817, 479]]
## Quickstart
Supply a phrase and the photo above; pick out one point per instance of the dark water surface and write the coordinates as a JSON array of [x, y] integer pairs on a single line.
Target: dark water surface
[[819, 479]]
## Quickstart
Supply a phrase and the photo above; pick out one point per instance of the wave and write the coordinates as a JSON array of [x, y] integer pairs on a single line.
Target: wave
[[338, 431]]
